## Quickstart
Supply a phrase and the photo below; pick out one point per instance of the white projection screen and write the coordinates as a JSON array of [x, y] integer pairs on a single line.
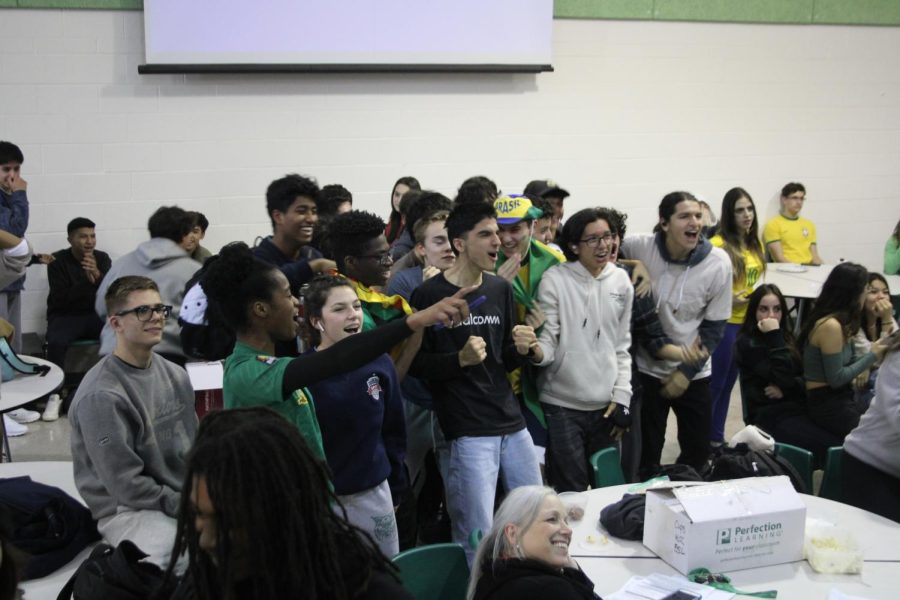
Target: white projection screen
[[184, 36]]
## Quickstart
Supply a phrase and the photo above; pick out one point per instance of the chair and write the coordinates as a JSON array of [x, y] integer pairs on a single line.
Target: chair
[[475, 538], [831, 481], [435, 572], [607, 468], [800, 459]]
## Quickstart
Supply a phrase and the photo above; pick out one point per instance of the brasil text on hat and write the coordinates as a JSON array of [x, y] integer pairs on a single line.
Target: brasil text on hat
[[512, 209], [544, 188]]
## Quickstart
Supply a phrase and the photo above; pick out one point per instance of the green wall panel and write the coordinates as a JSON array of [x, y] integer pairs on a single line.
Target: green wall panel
[[603, 9], [752, 11], [839, 12], [106, 4], [864, 12]]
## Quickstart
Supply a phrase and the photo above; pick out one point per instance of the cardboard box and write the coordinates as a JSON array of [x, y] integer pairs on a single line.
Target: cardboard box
[[727, 525]]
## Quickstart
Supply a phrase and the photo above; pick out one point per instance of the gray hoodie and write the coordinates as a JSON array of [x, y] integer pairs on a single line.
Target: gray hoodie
[[689, 293], [170, 266], [586, 337]]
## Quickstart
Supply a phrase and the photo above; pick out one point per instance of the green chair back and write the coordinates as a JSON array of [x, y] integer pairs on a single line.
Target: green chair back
[[800, 459], [435, 572], [607, 468], [831, 481], [475, 538]]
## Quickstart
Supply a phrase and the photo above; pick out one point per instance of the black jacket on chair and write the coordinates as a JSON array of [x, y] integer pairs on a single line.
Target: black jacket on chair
[[48, 524]]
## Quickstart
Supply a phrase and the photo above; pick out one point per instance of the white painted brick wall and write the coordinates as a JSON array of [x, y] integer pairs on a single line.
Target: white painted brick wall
[[633, 110]]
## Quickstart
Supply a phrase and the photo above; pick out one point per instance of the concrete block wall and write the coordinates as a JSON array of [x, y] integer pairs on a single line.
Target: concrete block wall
[[635, 109]]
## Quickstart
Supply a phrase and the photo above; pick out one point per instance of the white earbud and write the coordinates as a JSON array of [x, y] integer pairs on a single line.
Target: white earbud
[[319, 327]]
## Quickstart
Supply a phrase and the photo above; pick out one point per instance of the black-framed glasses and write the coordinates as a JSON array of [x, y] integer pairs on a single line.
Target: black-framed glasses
[[144, 312], [383, 259], [592, 242]]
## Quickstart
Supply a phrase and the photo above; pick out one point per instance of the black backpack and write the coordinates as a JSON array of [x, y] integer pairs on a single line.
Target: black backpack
[[116, 574], [738, 462]]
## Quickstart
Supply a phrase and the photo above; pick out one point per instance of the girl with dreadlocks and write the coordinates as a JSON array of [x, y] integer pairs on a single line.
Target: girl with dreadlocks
[[255, 300], [260, 520], [361, 416]]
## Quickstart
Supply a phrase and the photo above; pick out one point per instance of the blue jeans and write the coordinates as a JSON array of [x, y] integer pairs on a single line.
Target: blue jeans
[[724, 374], [475, 463]]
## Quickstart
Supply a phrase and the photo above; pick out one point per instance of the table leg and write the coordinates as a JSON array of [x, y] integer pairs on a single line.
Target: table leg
[[798, 325], [6, 455]]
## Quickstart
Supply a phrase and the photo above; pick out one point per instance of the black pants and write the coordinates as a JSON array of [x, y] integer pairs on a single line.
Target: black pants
[[573, 436], [834, 410], [692, 413], [866, 487], [62, 330]]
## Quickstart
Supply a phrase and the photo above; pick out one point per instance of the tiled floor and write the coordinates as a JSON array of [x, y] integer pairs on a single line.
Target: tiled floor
[[50, 441]]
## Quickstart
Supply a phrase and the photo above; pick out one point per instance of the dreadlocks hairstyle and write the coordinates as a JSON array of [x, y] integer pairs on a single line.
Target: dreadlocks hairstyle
[[234, 281], [277, 531], [350, 232], [394, 228], [737, 240], [839, 298]]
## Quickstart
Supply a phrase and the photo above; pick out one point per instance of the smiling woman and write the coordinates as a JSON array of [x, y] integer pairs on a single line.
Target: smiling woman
[[526, 552]]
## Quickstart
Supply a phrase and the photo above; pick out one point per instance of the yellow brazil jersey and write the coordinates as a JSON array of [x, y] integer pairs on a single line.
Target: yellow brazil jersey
[[796, 236], [753, 269]]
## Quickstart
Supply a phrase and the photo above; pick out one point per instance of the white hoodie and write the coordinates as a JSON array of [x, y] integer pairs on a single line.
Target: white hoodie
[[586, 337]]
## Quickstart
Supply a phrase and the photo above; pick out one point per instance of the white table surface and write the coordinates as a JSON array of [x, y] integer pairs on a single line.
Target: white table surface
[[879, 538], [26, 388], [808, 284], [59, 474], [793, 581]]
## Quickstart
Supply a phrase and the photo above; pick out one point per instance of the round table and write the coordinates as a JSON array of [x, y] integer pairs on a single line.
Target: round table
[[610, 562], [27, 388]]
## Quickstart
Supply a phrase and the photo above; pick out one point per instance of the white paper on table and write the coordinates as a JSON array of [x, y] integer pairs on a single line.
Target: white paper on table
[[656, 587]]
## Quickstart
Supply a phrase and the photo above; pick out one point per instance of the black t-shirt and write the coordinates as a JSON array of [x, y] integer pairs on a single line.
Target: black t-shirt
[[476, 400]]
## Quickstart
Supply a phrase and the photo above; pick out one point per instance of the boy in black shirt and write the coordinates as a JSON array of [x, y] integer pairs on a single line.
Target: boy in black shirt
[[466, 367], [74, 276]]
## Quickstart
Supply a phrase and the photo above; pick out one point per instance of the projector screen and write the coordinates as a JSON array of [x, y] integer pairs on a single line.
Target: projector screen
[[343, 35]]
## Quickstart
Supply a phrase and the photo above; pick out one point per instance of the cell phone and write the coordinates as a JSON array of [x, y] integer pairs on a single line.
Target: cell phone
[[683, 595]]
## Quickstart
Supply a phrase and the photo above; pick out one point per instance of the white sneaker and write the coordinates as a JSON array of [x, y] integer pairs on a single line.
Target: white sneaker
[[51, 411], [23, 415], [14, 428]]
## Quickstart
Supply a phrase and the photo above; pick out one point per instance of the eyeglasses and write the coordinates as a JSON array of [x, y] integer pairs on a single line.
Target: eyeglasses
[[383, 259], [594, 241], [145, 313]]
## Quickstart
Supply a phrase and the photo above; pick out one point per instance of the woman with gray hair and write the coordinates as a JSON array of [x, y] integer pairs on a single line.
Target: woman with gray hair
[[526, 552]]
